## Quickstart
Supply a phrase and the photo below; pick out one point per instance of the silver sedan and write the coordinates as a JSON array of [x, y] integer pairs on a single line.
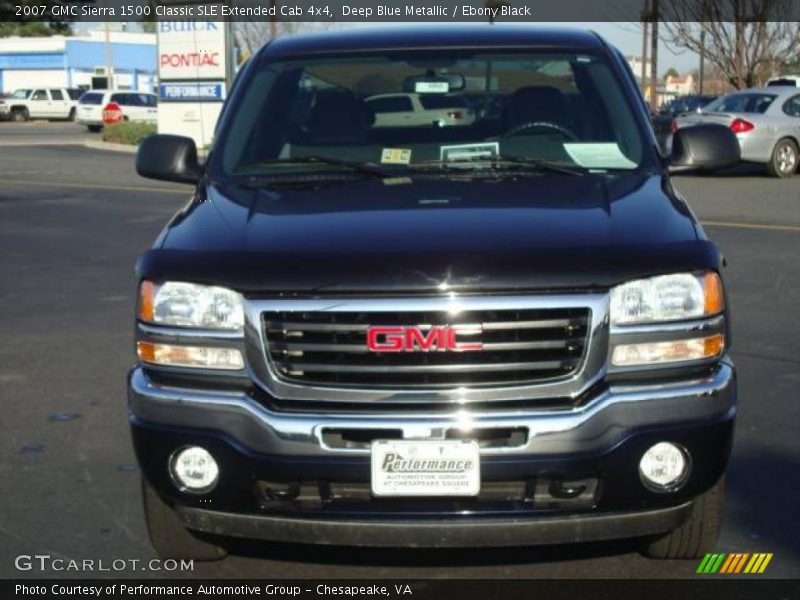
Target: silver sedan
[[766, 122]]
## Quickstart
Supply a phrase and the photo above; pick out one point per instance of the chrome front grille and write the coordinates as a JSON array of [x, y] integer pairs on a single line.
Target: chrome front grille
[[519, 346]]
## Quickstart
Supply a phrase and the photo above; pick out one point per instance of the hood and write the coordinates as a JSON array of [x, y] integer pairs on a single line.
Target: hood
[[403, 235]]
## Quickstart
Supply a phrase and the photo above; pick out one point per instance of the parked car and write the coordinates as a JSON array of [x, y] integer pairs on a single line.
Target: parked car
[[765, 120], [684, 104], [136, 106], [664, 121], [40, 103], [420, 110], [784, 81], [511, 333]]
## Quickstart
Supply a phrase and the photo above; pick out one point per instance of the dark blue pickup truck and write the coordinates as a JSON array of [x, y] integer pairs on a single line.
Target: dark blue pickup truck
[[433, 287]]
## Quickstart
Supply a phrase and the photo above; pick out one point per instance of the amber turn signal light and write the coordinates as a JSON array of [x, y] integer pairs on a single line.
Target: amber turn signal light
[[714, 296], [147, 294]]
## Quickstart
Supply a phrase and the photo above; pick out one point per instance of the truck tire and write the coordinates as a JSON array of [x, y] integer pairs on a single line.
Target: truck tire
[[784, 159], [698, 534], [20, 114], [94, 128], [168, 536]]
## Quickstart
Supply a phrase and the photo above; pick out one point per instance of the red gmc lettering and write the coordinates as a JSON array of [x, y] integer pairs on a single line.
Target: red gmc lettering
[[417, 339], [190, 59], [392, 339]]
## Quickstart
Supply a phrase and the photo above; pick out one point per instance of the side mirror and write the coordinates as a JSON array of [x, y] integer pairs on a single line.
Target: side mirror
[[169, 158], [706, 146]]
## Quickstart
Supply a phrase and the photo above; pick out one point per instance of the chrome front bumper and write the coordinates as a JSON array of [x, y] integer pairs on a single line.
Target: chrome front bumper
[[600, 423]]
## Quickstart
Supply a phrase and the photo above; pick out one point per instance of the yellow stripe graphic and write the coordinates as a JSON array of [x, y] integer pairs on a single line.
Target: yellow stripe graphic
[[749, 568], [765, 563], [757, 564]]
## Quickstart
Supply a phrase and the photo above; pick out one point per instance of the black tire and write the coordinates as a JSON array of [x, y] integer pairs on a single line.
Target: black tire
[[71, 115], [20, 114], [168, 536], [94, 128], [698, 534], [784, 160]]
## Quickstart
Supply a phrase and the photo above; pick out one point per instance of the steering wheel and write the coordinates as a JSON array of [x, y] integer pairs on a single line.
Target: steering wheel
[[542, 124]]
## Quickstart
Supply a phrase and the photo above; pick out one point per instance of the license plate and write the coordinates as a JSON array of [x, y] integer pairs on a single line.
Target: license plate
[[425, 468]]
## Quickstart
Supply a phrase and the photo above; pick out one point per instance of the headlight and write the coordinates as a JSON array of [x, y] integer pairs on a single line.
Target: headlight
[[677, 297], [190, 305]]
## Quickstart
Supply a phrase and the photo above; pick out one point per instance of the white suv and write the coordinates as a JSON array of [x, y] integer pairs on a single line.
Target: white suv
[[420, 110], [40, 103], [136, 106]]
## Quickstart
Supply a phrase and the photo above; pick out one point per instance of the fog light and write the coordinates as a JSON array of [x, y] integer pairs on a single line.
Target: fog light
[[194, 470], [664, 466]]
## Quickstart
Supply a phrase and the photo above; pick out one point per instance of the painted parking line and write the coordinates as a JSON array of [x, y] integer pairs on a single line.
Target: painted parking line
[[737, 225], [96, 186]]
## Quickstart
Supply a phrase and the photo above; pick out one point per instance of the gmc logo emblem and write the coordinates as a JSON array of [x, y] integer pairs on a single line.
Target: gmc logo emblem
[[437, 338]]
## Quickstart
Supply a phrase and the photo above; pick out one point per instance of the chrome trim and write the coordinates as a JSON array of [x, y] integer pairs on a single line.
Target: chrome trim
[[591, 369], [164, 333], [715, 323], [599, 424]]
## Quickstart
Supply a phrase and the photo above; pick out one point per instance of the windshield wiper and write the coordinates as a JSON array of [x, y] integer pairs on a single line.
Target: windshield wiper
[[501, 159], [362, 167]]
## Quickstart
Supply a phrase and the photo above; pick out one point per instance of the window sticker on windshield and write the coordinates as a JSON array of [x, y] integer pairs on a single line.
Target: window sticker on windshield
[[396, 156], [469, 151], [606, 155], [396, 180], [432, 87]]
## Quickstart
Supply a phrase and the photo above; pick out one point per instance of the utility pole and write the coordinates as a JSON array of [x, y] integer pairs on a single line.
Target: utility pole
[[645, 33], [654, 59], [109, 57], [702, 59]]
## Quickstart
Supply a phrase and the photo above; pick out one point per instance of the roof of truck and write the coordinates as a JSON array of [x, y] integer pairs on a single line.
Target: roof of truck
[[360, 39]]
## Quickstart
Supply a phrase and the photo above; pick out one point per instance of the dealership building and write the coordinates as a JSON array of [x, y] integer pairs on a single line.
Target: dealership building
[[59, 61]]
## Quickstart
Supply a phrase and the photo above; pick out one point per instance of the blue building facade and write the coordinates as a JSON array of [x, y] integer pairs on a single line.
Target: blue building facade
[[72, 62]]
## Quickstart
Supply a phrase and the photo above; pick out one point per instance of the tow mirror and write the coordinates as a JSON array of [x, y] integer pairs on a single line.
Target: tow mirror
[[168, 158], [706, 146]]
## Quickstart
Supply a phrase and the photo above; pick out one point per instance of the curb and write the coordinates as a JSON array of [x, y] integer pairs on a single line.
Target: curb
[[125, 148], [95, 145]]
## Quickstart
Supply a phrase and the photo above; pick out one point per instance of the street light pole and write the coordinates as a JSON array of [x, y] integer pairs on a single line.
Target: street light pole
[[645, 33]]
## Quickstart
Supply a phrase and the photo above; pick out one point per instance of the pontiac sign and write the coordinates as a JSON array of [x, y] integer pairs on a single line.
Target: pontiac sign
[[189, 50]]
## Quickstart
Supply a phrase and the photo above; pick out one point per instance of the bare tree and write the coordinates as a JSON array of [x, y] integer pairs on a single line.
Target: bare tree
[[251, 35], [744, 39]]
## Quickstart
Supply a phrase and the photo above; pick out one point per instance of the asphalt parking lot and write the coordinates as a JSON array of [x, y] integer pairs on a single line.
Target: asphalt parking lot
[[73, 221]]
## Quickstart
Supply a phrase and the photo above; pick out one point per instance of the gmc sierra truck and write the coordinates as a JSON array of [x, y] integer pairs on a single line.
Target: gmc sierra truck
[[507, 332]]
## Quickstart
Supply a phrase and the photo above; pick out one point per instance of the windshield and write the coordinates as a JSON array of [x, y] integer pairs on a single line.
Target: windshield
[[20, 94], [741, 103], [430, 109]]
